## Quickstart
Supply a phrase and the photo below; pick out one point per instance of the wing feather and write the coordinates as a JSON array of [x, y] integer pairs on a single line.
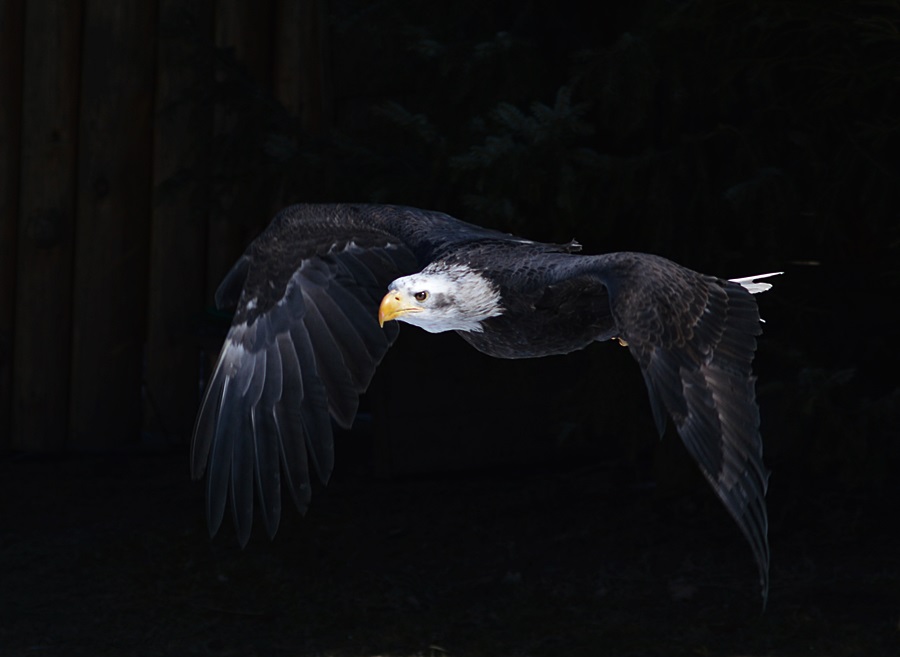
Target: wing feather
[[267, 441], [217, 482], [316, 424], [290, 418]]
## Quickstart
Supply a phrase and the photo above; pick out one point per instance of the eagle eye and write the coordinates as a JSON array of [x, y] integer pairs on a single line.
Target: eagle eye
[[421, 296]]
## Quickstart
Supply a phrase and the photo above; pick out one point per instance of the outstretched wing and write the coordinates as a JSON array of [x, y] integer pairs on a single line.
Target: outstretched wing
[[694, 337], [304, 344]]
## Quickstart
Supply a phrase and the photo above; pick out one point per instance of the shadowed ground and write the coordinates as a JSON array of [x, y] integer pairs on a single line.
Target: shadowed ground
[[108, 555]]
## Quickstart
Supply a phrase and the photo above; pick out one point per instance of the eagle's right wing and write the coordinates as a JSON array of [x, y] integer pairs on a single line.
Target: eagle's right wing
[[303, 346]]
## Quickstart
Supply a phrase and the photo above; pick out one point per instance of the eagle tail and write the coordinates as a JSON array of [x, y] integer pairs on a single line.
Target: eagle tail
[[749, 282]]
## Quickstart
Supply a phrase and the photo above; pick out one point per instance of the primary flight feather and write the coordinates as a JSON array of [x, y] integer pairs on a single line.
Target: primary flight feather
[[313, 321]]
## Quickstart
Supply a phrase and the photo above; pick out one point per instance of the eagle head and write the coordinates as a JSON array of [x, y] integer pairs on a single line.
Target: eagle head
[[442, 297]]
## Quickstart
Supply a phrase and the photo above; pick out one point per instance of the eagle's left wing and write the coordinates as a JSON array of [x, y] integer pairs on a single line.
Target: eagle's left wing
[[694, 337]]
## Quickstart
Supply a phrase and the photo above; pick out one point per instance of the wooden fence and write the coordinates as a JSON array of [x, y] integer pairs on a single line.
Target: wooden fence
[[102, 276]]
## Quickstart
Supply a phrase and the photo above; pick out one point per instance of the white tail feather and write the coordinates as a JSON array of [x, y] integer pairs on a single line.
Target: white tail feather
[[749, 282]]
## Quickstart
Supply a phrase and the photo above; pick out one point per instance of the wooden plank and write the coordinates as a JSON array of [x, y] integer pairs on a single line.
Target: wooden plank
[[245, 29], [12, 27], [287, 77], [182, 137], [114, 200], [46, 224], [302, 81]]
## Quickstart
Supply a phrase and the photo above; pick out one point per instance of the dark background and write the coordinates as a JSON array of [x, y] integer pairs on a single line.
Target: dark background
[[479, 507]]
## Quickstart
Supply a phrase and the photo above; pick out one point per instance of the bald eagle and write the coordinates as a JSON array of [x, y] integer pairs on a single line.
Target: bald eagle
[[313, 321]]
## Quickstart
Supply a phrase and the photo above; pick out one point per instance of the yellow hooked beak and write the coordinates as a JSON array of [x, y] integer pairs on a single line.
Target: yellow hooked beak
[[395, 304]]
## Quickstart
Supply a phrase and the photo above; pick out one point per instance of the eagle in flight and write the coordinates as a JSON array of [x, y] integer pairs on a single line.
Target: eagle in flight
[[313, 321]]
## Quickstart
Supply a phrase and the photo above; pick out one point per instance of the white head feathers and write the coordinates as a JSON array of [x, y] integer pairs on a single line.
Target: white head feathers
[[448, 298]]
